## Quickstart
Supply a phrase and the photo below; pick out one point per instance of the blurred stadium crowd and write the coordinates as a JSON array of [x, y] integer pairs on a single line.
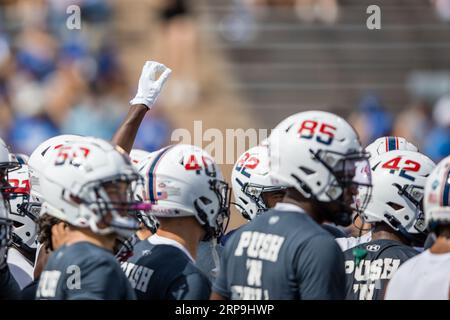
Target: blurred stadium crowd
[[54, 80]]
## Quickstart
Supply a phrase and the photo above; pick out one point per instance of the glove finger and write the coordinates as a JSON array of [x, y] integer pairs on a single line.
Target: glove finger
[[149, 70], [164, 76]]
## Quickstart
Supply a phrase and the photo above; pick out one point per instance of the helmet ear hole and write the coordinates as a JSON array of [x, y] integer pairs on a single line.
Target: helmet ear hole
[[205, 200], [307, 171], [394, 205], [243, 200]]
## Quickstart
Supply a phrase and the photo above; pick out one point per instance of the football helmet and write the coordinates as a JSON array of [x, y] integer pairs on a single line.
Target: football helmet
[[184, 180], [319, 154], [5, 232], [90, 184], [398, 179], [391, 143], [23, 212], [250, 179], [38, 160], [8, 163], [437, 195], [137, 155]]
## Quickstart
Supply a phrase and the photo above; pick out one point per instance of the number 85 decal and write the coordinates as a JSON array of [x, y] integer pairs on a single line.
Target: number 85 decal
[[408, 165], [325, 134]]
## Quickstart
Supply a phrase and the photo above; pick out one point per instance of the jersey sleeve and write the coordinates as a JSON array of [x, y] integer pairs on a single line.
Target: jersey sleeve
[[320, 270], [194, 286], [220, 285], [9, 289]]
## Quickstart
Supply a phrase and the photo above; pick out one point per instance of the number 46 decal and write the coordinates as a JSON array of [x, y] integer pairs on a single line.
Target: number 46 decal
[[408, 165], [325, 135]]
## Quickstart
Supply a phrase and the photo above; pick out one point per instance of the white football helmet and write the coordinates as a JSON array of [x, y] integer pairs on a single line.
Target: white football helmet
[[437, 195], [137, 155], [318, 153], [39, 159], [184, 180], [398, 179], [22, 158], [5, 232], [391, 143], [8, 163], [23, 212], [89, 184], [250, 179]]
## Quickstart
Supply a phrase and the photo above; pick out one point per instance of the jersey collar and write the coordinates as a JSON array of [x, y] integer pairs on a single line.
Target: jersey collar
[[157, 239], [283, 206]]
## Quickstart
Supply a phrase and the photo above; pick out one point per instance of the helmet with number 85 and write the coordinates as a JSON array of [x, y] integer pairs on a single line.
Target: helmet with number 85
[[319, 154]]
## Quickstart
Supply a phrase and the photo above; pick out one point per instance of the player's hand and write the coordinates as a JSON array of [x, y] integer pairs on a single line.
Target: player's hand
[[149, 87]]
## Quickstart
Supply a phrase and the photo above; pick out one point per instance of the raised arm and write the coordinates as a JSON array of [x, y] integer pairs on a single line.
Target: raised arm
[[148, 91]]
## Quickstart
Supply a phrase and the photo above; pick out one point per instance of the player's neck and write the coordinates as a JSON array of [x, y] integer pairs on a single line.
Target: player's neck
[[382, 232], [78, 235], [187, 233], [441, 245], [307, 206]]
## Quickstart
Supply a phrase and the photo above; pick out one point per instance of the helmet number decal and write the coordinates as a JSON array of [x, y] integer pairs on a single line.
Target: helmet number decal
[[409, 165], [66, 154], [325, 135], [247, 162], [208, 165], [20, 186]]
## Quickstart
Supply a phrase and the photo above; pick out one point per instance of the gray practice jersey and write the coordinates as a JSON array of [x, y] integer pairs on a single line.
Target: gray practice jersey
[[164, 272], [281, 255], [369, 267], [83, 271], [208, 258], [9, 289]]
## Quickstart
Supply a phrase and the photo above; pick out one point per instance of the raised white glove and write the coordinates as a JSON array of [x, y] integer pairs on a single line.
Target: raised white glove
[[149, 87]]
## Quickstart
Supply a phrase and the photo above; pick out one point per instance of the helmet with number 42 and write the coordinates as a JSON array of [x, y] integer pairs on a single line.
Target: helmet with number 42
[[320, 155], [399, 179]]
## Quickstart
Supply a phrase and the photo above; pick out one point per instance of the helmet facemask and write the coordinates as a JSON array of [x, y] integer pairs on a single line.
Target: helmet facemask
[[350, 183], [255, 193], [113, 203], [216, 228]]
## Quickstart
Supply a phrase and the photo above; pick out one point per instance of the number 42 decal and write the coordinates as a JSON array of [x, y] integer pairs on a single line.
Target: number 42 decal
[[408, 165]]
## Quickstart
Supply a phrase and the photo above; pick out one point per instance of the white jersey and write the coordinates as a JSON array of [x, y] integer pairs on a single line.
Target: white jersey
[[21, 269], [351, 242], [424, 277]]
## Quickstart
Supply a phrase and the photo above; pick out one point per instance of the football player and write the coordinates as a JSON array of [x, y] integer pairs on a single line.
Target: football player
[[9, 289], [151, 82], [360, 230], [89, 185], [285, 253], [253, 194], [190, 200], [426, 276], [396, 216], [24, 214]]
